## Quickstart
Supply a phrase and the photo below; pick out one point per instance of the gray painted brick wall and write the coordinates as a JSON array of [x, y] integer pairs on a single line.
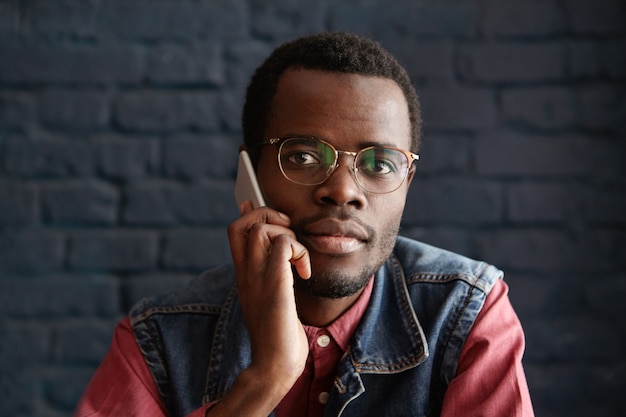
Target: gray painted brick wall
[[119, 129]]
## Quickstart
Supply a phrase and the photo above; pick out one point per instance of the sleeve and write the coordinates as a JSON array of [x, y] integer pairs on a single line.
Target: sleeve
[[123, 385], [490, 380]]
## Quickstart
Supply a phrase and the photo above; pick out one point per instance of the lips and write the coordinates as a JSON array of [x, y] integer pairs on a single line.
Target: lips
[[334, 237]]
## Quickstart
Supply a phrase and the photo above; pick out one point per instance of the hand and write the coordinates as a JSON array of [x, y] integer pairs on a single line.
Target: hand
[[264, 250]]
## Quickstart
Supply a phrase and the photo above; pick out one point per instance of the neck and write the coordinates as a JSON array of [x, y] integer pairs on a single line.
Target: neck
[[319, 311]]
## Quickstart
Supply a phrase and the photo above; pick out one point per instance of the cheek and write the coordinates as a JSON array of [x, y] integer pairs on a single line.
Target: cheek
[[387, 217], [389, 207], [269, 177], [281, 194]]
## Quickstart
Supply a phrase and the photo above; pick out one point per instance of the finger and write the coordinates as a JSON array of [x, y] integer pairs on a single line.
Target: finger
[[245, 207], [265, 240], [239, 230], [301, 261], [285, 252]]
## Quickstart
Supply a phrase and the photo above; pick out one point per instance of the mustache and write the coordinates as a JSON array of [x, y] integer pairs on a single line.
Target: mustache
[[340, 215]]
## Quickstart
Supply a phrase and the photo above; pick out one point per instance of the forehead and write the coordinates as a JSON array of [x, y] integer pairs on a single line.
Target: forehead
[[348, 110]]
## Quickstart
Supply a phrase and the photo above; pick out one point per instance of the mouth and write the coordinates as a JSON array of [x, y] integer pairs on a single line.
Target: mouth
[[334, 237]]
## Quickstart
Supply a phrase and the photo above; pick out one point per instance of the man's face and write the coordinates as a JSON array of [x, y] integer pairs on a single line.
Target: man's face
[[349, 232]]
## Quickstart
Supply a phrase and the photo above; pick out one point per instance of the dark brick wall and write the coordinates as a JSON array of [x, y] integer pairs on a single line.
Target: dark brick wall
[[119, 127]]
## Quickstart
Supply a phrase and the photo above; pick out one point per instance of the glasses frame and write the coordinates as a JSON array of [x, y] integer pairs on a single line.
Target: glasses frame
[[410, 156]]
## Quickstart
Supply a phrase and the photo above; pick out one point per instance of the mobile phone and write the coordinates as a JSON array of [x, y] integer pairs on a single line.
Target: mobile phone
[[247, 186]]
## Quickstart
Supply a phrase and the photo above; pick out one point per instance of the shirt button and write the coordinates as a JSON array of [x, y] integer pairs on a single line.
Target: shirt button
[[323, 397], [323, 340]]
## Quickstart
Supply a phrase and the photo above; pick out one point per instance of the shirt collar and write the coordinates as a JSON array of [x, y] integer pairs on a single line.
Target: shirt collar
[[344, 327]]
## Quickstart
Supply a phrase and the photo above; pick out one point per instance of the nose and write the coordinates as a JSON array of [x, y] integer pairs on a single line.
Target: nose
[[341, 188]]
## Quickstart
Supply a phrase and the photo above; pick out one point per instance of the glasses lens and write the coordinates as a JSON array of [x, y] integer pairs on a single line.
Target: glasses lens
[[306, 161], [381, 170]]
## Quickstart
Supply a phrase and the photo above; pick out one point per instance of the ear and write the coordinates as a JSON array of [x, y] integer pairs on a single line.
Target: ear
[[410, 175]]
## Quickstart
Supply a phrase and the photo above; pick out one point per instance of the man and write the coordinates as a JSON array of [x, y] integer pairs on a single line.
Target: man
[[325, 310]]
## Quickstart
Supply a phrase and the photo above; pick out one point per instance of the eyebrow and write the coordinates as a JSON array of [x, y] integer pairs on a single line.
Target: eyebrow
[[362, 145]]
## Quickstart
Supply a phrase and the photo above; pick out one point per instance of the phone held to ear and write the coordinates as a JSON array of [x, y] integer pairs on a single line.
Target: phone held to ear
[[247, 186]]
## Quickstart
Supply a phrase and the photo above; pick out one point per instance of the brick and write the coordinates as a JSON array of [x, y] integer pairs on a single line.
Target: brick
[[535, 250], [555, 295], [597, 60], [36, 63], [606, 157], [61, 17], [243, 58], [531, 156], [604, 108], [19, 204], [454, 18], [542, 108], [449, 18], [81, 342], [511, 62], [150, 203], [605, 296], [598, 17], [173, 20], [457, 108], [566, 339], [20, 392], [361, 17], [123, 159], [31, 251], [453, 202], [17, 110], [607, 206], [411, 53], [453, 239], [195, 157], [286, 18], [62, 388], [9, 17], [609, 249], [137, 287], [160, 203], [46, 157], [113, 250], [29, 345], [150, 111], [612, 58], [570, 398], [195, 250], [445, 154], [608, 380], [74, 109], [230, 105], [533, 297], [525, 18], [538, 202], [195, 63], [59, 296], [80, 203]]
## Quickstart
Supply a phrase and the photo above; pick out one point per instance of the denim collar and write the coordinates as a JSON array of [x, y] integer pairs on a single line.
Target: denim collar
[[390, 338]]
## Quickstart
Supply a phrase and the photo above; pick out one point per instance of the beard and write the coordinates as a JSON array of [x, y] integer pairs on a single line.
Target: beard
[[334, 284], [330, 280]]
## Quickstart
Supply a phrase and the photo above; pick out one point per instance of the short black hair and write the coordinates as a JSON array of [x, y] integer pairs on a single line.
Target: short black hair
[[328, 51]]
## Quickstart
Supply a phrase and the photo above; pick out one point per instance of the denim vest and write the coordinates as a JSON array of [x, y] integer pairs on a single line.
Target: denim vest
[[401, 359]]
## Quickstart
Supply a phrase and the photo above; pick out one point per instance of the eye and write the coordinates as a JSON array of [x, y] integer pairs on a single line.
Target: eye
[[378, 162], [379, 167], [302, 158]]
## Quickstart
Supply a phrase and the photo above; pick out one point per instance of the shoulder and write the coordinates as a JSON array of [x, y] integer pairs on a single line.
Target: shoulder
[[206, 293], [423, 263]]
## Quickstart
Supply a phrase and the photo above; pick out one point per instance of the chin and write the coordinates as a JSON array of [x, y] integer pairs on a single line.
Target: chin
[[334, 284]]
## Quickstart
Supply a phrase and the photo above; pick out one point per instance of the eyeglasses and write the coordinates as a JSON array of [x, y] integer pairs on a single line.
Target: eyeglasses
[[310, 161]]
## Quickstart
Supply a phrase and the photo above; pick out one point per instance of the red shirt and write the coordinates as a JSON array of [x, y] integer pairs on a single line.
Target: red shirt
[[490, 381]]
